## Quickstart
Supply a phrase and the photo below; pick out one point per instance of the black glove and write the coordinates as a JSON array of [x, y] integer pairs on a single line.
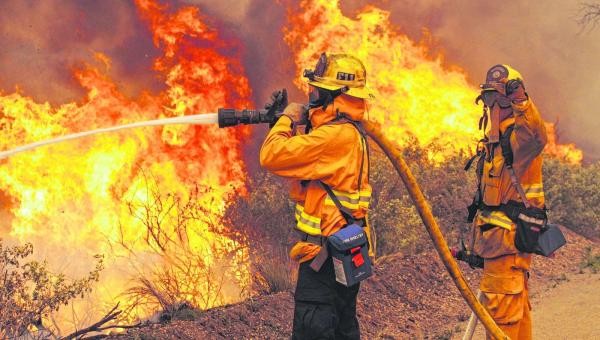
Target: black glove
[[298, 113], [277, 102], [515, 90], [276, 105]]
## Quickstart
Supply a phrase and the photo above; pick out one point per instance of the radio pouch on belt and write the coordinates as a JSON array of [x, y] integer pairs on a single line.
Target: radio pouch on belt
[[550, 241], [349, 248]]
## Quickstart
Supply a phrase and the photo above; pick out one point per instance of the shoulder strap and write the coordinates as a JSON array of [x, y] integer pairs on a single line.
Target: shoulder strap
[[342, 118], [346, 213], [507, 153], [365, 145]]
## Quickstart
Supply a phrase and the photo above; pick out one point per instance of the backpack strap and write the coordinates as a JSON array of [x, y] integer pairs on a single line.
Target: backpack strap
[[477, 202], [346, 213], [507, 153]]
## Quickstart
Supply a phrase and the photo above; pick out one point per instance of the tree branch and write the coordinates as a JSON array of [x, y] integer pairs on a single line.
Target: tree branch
[[98, 326]]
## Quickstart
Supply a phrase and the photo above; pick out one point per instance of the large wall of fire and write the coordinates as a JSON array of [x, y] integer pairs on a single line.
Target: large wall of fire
[[73, 66]]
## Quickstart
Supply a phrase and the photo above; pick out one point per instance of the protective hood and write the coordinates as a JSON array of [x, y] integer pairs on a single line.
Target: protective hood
[[348, 106]]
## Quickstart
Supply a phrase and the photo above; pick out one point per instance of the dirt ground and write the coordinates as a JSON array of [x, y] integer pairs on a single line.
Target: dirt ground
[[569, 309], [408, 297]]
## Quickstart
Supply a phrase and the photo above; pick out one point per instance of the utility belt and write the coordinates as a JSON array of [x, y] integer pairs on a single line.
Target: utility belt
[[316, 240], [533, 233], [513, 209], [348, 248]]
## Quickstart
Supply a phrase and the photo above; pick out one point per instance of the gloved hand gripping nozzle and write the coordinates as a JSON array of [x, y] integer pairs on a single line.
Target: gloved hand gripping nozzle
[[270, 114]]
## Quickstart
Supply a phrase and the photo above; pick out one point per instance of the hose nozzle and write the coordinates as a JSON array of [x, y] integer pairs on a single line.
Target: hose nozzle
[[270, 114], [233, 117]]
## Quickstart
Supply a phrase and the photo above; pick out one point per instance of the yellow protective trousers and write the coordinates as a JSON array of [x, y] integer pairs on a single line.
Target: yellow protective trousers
[[506, 296]]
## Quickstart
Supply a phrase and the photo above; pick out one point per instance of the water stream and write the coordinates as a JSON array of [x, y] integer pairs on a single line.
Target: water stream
[[201, 119]]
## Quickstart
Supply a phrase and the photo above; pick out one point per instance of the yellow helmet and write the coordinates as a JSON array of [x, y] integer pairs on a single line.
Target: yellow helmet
[[340, 71], [499, 75]]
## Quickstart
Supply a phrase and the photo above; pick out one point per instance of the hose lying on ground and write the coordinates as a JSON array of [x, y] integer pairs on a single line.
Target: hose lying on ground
[[395, 156]]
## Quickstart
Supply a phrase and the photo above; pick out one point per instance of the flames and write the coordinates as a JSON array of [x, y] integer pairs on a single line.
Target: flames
[[566, 152], [416, 95], [68, 199]]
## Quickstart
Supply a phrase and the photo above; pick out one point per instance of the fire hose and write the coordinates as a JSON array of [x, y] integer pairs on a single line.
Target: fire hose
[[232, 117], [440, 244]]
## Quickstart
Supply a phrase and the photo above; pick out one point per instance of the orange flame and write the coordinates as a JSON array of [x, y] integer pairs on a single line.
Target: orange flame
[[68, 198], [565, 152], [416, 95]]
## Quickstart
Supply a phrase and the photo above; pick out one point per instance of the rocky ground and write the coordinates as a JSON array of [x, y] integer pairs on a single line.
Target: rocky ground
[[408, 297]]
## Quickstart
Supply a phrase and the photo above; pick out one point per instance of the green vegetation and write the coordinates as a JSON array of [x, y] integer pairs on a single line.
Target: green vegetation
[[591, 261], [448, 188], [573, 196], [30, 293]]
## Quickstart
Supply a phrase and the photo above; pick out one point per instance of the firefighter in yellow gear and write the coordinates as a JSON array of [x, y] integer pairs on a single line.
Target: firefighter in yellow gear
[[510, 193], [332, 150]]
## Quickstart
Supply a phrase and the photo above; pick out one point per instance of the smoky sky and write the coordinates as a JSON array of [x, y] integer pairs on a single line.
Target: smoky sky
[[42, 41]]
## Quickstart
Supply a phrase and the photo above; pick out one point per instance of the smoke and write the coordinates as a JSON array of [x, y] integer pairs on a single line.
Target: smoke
[[43, 41], [259, 24]]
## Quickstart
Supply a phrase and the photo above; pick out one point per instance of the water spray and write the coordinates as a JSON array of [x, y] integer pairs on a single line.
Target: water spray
[[224, 117], [208, 118], [232, 117]]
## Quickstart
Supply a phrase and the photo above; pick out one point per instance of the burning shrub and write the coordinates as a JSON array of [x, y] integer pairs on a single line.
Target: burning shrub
[[266, 215], [182, 280], [30, 293], [196, 262], [573, 195]]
